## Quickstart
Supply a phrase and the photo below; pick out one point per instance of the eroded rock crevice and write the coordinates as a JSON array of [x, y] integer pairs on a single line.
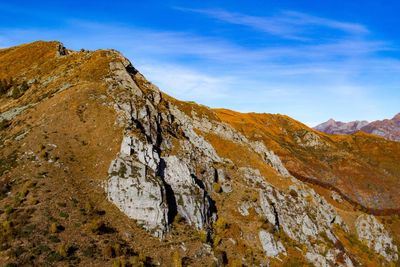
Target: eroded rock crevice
[[171, 184], [165, 168]]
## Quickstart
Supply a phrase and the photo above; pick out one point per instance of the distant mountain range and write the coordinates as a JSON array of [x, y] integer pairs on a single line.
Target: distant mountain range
[[388, 128]]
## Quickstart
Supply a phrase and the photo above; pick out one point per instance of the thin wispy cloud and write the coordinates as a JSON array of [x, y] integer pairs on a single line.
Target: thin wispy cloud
[[186, 82], [286, 24], [298, 18], [295, 77], [181, 45], [177, 44]]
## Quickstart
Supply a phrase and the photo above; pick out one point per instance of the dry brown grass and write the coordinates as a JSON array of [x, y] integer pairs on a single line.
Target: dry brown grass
[[361, 161], [57, 213], [71, 138]]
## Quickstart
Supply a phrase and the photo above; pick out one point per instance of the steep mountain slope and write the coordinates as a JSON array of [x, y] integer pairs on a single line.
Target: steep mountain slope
[[388, 129], [349, 164], [99, 167]]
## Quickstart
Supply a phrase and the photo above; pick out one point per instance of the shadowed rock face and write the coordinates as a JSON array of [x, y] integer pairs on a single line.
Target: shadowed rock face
[[217, 186], [145, 185]]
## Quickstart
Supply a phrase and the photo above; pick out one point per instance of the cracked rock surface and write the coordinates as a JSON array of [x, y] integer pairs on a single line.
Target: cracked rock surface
[[375, 235], [146, 186], [166, 168]]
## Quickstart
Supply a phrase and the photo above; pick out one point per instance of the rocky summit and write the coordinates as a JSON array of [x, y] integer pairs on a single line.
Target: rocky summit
[[337, 127], [100, 168], [388, 128]]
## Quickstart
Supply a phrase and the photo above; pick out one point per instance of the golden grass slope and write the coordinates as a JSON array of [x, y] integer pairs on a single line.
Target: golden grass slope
[[54, 159], [363, 167]]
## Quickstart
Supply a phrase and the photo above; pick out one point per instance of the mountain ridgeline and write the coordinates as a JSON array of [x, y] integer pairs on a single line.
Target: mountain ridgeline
[[100, 168], [388, 128]]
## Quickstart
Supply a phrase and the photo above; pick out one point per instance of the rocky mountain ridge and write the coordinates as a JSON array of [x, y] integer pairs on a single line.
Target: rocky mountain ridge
[[146, 174], [337, 127], [388, 128]]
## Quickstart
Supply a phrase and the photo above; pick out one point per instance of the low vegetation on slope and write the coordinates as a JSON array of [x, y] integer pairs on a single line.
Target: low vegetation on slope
[[365, 169], [99, 168]]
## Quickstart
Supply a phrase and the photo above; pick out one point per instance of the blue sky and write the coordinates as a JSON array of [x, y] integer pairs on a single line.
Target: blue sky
[[312, 60]]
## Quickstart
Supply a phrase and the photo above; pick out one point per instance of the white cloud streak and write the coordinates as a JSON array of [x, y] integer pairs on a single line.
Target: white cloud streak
[[287, 24], [300, 80], [187, 83]]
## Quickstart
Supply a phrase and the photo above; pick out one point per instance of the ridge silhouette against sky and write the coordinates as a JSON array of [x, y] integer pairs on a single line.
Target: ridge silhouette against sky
[[310, 60]]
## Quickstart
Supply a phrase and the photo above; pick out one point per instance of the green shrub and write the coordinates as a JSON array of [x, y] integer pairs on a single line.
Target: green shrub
[[8, 210], [90, 251], [24, 87], [53, 257], [217, 188], [178, 219], [54, 239], [140, 260], [8, 163], [6, 226], [217, 240], [254, 198], [221, 224], [17, 251], [63, 214], [202, 235], [40, 249], [18, 90], [26, 230]]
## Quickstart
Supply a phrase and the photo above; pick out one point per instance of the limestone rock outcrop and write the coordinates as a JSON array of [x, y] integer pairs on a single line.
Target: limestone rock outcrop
[[271, 247], [301, 214], [370, 230], [140, 196], [213, 185], [146, 186], [166, 168], [193, 202]]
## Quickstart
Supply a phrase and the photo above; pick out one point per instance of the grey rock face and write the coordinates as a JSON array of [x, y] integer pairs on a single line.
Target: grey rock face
[[12, 113], [135, 189], [146, 187], [335, 196], [270, 158], [271, 247], [373, 232], [141, 197], [193, 202], [244, 208], [311, 140], [227, 132], [226, 185], [165, 168], [302, 214]]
